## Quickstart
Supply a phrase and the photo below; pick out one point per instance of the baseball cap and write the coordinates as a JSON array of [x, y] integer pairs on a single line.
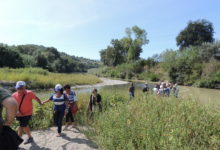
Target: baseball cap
[[58, 87], [20, 84]]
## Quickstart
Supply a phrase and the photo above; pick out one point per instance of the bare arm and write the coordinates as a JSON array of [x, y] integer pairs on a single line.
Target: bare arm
[[11, 106], [45, 101], [38, 100]]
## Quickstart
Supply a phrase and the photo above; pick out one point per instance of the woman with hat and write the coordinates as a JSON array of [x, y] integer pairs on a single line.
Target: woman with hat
[[60, 106]]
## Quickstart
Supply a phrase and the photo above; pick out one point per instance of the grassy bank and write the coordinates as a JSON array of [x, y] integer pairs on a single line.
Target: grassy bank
[[40, 78]]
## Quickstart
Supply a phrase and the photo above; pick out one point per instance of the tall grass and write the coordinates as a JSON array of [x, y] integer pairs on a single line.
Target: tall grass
[[150, 122], [39, 78], [146, 122]]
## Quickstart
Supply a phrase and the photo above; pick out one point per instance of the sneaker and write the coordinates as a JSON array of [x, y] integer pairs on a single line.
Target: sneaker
[[29, 140]]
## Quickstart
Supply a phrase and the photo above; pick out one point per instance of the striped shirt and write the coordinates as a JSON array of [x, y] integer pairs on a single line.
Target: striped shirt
[[59, 102], [72, 96]]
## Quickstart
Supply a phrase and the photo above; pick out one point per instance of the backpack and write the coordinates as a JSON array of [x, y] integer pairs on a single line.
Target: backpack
[[145, 89]]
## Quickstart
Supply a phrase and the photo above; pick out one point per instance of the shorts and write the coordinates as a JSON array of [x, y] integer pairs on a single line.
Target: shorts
[[23, 121]]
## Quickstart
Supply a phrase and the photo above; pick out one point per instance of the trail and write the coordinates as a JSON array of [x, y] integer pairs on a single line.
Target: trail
[[72, 139]]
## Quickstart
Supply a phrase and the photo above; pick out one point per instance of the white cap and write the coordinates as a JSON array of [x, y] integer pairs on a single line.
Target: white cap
[[58, 87], [20, 84]]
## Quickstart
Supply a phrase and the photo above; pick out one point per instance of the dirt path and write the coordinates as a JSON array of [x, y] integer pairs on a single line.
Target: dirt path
[[71, 139]]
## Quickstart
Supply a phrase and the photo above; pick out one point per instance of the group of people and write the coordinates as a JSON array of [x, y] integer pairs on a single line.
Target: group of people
[[161, 88], [166, 88], [19, 105]]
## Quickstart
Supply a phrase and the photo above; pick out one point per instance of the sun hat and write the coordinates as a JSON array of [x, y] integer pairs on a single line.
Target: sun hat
[[58, 87]]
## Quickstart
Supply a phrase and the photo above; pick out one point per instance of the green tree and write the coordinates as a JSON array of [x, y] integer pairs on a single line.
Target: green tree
[[127, 49], [10, 58], [196, 33], [42, 61], [133, 42]]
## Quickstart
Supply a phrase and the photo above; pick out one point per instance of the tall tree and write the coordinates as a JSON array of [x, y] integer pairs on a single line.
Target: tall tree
[[196, 33], [135, 39], [126, 49]]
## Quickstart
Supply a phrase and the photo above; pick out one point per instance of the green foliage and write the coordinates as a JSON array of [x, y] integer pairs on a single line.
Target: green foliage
[[44, 57], [127, 49], [154, 123], [212, 82], [189, 66], [40, 78], [151, 76], [196, 33], [9, 58]]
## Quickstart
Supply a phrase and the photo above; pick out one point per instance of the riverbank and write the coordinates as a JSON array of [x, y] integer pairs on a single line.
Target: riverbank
[[104, 82]]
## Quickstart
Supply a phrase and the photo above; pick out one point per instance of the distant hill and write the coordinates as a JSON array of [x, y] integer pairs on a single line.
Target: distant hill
[[44, 57]]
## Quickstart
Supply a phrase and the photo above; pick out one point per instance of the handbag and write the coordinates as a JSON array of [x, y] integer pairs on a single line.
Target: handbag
[[74, 108]]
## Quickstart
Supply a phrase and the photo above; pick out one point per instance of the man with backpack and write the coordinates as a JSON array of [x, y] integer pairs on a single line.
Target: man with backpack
[[25, 108]]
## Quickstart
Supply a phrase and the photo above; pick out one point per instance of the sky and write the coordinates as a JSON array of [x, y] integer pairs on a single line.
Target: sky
[[84, 27]]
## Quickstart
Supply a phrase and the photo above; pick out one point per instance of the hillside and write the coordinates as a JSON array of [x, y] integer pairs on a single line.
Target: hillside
[[44, 57]]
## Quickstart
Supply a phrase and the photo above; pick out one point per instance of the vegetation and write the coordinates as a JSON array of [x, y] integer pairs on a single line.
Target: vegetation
[[40, 78], [127, 49], [196, 33], [10, 58], [147, 122], [196, 63], [44, 57], [156, 123]]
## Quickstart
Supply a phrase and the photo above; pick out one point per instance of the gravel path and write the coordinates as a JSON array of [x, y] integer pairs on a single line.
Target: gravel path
[[71, 139]]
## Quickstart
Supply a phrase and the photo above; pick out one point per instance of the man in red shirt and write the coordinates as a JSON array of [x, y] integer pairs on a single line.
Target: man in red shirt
[[25, 110]]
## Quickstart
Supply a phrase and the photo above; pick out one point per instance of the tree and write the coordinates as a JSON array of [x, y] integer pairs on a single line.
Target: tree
[[133, 42], [196, 33], [126, 49], [10, 58], [42, 61]]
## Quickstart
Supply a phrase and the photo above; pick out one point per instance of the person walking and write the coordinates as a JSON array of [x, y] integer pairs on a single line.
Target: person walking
[[71, 95], [60, 106], [131, 91], [176, 90], [24, 99], [146, 88], [9, 139], [95, 102]]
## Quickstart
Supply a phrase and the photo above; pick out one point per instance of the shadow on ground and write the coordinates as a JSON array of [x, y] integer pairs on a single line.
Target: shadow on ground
[[89, 143]]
